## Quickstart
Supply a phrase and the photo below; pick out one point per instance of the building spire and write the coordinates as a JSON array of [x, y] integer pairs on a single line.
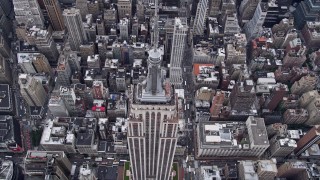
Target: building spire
[[156, 27]]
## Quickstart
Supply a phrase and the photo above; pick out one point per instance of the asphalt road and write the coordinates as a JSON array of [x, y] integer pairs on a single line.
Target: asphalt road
[[189, 113]]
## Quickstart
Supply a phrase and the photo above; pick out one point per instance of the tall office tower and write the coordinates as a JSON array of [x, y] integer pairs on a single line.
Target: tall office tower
[[281, 146], [152, 127], [266, 169], [307, 10], [47, 165], [82, 5], [242, 96], [200, 19], [228, 7], [217, 104], [5, 50], [25, 63], [292, 169], [102, 44], [32, 90], [41, 64], [247, 9], [44, 42], [85, 51], [73, 22], [307, 140], [276, 12], [28, 11], [101, 29], [5, 72], [313, 109], [93, 8], [214, 7], [57, 107], [124, 29], [177, 50], [55, 14], [305, 84], [276, 96], [308, 97], [94, 62], [254, 26], [140, 11], [231, 25], [295, 54], [69, 98], [6, 7], [6, 24], [110, 18], [124, 8], [295, 116], [63, 71]]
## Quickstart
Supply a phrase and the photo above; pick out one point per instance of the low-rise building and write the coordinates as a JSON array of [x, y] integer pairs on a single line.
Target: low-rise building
[[99, 108], [86, 172], [209, 172], [47, 164], [257, 170], [57, 136], [295, 116], [116, 106], [206, 76], [218, 139], [119, 133]]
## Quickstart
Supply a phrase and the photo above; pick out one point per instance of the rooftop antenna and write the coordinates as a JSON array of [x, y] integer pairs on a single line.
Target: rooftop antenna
[[156, 27]]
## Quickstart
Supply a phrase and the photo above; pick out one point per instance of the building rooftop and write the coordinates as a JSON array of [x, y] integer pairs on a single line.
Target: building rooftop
[[68, 130], [257, 128], [5, 97], [26, 57], [249, 170], [6, 170], [9, 133], [36, 110], [210, 173], [216, 134], [99, 105]]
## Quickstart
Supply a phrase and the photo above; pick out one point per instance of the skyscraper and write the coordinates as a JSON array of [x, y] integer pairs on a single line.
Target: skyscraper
[[254, 26], [153, 123], [312, 137], [307, 10], [200, 18], [124, 28], [177, 50], [28, 11], [276, 96], [73, 22], [82, 5], [32, 90], [5, 72], [124, 8], [247, 9], [242, 96], [55, 14]]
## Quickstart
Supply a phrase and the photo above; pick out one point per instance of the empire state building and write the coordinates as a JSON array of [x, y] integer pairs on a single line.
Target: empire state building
[[153, 123]]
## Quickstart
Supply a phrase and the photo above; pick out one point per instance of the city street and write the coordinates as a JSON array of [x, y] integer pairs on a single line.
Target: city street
[[189, 112]]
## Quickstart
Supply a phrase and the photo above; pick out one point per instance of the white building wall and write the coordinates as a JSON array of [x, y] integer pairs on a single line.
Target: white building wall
[[177, 52], [199, 21]]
